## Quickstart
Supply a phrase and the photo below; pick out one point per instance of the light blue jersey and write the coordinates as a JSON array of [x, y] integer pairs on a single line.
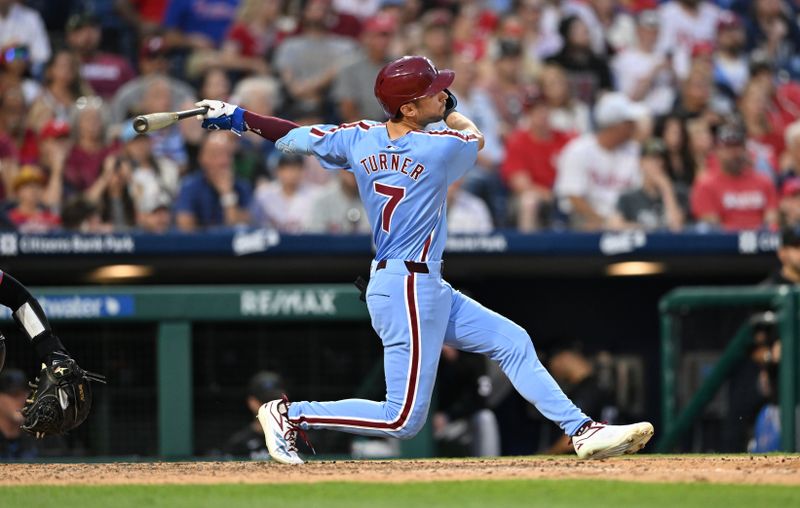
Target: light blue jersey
[[403, 182]]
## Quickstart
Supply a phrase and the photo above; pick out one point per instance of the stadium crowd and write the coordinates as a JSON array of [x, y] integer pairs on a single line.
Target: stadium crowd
[[597, 114]]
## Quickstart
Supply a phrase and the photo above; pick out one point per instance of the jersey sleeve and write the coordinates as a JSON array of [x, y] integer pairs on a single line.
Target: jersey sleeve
[[330, 144], [461, 155]]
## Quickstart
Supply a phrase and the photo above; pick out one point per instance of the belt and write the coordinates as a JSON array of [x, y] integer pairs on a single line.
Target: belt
[[411, 266]]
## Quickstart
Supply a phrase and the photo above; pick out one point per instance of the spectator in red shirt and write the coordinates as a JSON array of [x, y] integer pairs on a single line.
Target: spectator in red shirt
[[105, 72], [529, 168], [85, 160], [254, 36], [736, 197], [30, 214]]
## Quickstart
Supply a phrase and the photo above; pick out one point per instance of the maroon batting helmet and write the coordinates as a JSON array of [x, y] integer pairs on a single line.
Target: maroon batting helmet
[[407, 79]]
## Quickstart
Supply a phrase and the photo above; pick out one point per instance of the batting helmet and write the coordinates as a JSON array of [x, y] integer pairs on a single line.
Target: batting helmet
[[407, 79]]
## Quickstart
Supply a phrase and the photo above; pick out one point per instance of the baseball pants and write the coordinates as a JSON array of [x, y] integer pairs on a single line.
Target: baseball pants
[[414, 314]]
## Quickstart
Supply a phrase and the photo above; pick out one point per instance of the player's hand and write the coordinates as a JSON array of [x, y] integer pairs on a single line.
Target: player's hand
[[450, 104], [222, 116]]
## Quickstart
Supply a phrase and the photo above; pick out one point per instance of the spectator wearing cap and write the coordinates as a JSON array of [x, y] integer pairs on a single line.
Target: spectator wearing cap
[[338, 209], [506, 87], [567, 113], [85, 159], [286, 203], [198, 24], [353, 88], [789, 256], [153, 65], [31, 214], [735, 197], [596, 168], [731, 66], [63, 85], [14, 443], [213, 196], [529, 168], [642, 72], [15, 60], [587, 73], [307, 63], [683, 24], [790, 203], [773, 31], [249, 442], [658, 204], [23, 26], [105, 72]]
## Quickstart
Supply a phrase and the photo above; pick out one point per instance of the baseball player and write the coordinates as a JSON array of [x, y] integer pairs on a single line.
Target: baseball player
[[403, 173]]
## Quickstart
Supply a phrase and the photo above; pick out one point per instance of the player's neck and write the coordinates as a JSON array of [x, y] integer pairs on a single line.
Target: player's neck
[[399, 128]]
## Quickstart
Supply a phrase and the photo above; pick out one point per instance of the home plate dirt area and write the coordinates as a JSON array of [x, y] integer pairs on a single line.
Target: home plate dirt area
[[735, 469]]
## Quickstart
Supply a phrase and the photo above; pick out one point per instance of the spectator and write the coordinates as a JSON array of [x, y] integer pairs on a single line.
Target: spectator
[[82, 216], [596, 168], [337, 209], [18, 141], [701, 146], [529, 169], [260, 95], [773, 31], [587, 73], [764, 144], [642, 72], [111, 193], [213, 196], [353, 89], [153, 63], [466, 213], [505, 86], [790, 163], [362, 9], [22, 26], [783, 97], [251, 41], [735, 197], [683, 24], [658, 204], [249, 442], [198, 24], [169, 142], [284, 204], [62, 87], [215, 84], [105, 72], [790, 203], [731, 67], [567, 114], [462, 423], [54, 148], [437, 39], [680, 165], [612, 29], [308, 63], [85, 159], [145, 16], [697, 99], [15, 67], [154, 180], [31, 214], [537, 42]]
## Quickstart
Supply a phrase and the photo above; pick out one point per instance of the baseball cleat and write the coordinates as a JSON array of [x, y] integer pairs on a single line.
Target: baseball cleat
[[600, 441], [280, 433]]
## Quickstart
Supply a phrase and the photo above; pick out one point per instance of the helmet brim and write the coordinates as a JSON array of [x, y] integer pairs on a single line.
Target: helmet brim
[[441, 81]]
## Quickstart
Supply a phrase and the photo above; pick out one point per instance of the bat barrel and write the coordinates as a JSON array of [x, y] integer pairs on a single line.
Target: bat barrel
[[140, 124]]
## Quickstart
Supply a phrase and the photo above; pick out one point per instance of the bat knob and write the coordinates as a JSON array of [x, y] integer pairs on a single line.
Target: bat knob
[[140, 124]]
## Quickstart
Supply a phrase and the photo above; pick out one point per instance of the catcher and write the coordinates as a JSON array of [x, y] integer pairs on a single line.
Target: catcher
[[61, 396]]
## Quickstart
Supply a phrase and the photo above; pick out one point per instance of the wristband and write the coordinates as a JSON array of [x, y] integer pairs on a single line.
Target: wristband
[[228, 199]]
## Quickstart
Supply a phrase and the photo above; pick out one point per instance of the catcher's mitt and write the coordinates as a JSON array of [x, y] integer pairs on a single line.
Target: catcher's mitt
[[61, 398]]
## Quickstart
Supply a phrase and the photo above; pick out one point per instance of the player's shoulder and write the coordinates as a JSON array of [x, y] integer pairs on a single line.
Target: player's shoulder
[[359, 127], [452, 134]]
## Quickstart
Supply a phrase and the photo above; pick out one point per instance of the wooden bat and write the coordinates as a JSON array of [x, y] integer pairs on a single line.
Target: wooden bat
[[155, 121]]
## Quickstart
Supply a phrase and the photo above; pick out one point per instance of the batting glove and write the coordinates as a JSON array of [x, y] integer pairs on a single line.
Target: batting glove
[[450, 104], [223, 116]]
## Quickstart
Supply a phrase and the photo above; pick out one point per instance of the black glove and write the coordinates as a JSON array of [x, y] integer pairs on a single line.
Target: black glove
[[361, 283], [450, 104], [61, 397]]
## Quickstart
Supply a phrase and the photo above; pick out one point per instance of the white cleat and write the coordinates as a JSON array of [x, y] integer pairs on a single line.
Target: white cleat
[[280, 433], [600, 441]]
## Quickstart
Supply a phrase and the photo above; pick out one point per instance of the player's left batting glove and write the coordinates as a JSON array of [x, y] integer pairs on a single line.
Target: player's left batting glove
[[450, 104], [223, 116]]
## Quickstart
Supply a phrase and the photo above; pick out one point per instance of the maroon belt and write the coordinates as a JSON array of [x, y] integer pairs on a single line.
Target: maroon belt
[[411, 266]]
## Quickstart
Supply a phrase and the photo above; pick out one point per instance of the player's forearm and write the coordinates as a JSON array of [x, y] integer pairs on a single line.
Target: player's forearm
[[457, 121], [268, 127]]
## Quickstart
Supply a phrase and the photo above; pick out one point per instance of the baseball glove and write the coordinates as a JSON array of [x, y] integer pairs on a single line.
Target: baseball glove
[[61, 398]]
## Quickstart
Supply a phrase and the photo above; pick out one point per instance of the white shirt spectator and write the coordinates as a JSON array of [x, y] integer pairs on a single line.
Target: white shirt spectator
[[362, 9], [24, 26], [151, 189], [574, 119], [274, 209], [600, 176], [467, 214], [680, 30], [631, 66]]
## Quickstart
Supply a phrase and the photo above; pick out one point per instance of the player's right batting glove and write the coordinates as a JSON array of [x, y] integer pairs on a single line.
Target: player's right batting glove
[[450, 104], [223, 116]]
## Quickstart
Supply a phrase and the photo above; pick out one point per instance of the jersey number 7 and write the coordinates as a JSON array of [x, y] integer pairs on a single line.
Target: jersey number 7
[[395, 195]]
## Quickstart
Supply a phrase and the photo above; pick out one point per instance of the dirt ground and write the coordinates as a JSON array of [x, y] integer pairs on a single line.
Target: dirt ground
[[784, 470]]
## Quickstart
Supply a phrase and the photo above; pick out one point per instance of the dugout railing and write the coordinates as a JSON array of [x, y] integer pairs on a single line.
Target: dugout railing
[[783, 301], [175, 309]]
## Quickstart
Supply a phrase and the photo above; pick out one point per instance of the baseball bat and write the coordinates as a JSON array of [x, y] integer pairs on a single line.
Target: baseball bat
[[155, 121]]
